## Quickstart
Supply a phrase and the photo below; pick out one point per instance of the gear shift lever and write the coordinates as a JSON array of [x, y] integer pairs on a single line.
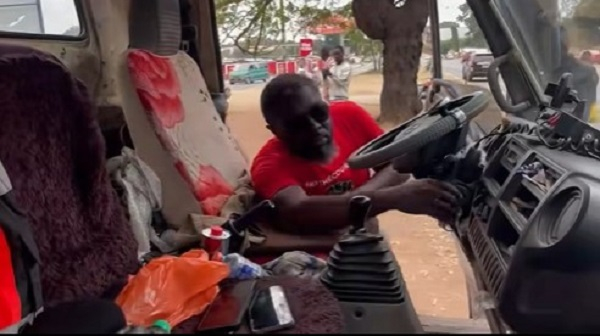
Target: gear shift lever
[[360, 206], [364, 276]]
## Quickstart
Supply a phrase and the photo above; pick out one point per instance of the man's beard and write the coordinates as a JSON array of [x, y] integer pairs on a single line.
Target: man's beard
[[322, 154]]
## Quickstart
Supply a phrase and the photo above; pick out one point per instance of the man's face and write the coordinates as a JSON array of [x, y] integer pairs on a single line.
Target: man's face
[[338, 56], [305, 127]]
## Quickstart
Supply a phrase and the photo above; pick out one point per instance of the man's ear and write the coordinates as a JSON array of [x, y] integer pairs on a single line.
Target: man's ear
[[270, 128]]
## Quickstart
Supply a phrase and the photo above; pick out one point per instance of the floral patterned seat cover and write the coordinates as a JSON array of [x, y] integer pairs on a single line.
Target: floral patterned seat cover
[[174, 95]]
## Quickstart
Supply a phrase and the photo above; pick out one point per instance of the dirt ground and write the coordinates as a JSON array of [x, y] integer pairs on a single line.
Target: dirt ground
[[426, 253]]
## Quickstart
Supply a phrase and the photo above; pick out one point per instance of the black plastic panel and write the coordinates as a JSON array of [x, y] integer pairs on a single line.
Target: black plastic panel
[[536, 236]]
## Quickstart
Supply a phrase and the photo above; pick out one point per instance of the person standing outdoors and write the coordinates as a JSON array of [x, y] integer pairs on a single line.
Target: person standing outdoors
[[325, 56], [305, 68], [336, 75]]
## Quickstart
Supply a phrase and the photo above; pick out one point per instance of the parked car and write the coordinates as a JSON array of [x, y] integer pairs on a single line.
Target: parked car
[[591, 56], [249, 73], [476, 64]]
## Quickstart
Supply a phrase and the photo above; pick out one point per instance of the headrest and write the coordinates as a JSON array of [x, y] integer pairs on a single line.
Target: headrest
[[5, 185], [155, 26]]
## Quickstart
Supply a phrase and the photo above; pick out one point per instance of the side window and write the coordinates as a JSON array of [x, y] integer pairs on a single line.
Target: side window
[[46, 19]]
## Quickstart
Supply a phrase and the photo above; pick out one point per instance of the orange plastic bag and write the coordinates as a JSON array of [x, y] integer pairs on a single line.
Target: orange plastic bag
[[172, 289]]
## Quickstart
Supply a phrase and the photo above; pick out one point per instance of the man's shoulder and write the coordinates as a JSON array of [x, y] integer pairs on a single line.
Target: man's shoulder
[[345, 108], [350, 116], [271, 151]]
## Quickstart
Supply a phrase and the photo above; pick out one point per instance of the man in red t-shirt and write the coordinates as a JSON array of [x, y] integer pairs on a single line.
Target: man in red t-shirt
[[303, 168]]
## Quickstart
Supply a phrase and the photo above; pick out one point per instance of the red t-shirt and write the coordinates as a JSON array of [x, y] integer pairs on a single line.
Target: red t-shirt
[[274, 169]]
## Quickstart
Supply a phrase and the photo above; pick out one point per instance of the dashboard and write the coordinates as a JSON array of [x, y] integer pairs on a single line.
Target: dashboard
[[534, 234]]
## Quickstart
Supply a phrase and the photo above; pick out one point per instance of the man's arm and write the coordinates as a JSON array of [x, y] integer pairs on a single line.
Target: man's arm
[[317, 76], [303, 214], [384, 177], [340, 74], [299, 213]]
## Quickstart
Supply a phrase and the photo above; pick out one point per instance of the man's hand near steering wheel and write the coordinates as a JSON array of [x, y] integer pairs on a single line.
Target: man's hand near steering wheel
[[303, 169]]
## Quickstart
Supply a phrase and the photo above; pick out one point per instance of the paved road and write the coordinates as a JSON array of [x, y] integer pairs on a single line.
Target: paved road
[[452, 70], [357, 69]]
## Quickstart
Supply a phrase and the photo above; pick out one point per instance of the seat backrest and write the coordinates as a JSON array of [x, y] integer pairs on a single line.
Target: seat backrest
[[173, 121], [52, 148]]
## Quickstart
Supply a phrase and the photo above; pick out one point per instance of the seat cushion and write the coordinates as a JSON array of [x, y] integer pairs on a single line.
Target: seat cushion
[[54, 153], [174, 95]]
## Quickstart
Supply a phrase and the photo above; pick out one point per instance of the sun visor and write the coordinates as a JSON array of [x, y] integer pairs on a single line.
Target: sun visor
[[5, 185]]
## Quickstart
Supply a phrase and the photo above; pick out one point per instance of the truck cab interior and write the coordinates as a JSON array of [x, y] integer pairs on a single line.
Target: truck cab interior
[[146, 75]]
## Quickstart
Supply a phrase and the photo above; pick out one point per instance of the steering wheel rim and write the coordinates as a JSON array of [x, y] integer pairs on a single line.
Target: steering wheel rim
[[433, 98], [419, 131]]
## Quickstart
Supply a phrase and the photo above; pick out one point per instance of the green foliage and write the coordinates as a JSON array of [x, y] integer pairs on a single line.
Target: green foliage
[[586, 9], [475, 36], [581, 20], [248, 24], [567, 7]]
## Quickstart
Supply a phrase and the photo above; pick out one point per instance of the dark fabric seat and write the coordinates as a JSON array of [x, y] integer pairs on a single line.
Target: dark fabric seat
[[52, 148]]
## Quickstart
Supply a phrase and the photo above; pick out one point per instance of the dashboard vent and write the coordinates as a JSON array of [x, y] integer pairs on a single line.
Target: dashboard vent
[[488, 259], [514, 152]]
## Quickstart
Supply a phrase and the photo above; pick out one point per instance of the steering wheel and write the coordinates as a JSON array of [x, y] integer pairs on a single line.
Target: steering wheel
[[420, 131]]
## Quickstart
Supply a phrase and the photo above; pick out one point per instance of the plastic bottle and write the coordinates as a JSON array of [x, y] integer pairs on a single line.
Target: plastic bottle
[[158, 327], [241, 268]]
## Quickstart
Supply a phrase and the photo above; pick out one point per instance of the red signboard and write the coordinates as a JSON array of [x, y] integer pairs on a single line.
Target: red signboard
[[290, 67], [281, 67], [306, 47], [276, 68]]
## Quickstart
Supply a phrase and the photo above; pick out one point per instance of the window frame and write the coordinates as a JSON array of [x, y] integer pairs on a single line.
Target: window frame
[[81, 17]]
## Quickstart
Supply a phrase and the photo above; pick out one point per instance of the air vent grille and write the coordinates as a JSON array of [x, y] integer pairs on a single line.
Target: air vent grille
[[489, 261]]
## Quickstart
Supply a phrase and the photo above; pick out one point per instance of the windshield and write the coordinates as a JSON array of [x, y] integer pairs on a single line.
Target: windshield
[[555, 37]]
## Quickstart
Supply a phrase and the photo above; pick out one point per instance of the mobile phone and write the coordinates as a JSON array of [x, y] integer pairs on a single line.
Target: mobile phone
[[227, 312], [270, 311]]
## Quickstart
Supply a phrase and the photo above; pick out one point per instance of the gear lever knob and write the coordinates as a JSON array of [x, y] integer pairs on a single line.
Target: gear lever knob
[[359, 209]]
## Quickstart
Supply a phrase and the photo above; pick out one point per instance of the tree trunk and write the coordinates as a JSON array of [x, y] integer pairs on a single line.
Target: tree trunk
[[399, 100], [401, 31]]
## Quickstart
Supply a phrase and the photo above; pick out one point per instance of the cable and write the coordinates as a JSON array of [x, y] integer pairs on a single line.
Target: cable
[[586, 146]]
